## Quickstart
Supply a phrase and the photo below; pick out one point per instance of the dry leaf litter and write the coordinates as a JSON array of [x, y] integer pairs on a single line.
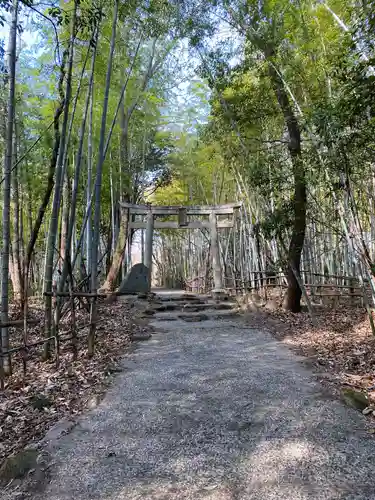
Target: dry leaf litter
[[30, 406], [340, 344]]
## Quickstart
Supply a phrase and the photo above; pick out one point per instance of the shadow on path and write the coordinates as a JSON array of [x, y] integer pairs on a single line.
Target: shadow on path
[[215, 411]]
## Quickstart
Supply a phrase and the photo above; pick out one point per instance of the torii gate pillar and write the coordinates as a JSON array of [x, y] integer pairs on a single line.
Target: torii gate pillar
[[148, 246], [215, 256]]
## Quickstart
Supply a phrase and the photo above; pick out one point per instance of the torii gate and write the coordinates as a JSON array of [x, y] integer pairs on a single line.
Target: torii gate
[[183, 212]]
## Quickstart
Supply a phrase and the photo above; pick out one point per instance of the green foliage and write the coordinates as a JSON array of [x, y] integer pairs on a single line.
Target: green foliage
[[220, 135], [329, 77]]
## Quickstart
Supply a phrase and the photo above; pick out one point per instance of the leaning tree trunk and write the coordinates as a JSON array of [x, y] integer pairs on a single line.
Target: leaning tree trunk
[[6, 364], [118, 254], [292, 299]]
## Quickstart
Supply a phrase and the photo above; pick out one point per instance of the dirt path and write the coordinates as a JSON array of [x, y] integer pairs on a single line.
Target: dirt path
[[216, 411]]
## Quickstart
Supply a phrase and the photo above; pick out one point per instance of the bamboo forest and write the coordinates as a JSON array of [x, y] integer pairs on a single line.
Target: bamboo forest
[[247, 124]]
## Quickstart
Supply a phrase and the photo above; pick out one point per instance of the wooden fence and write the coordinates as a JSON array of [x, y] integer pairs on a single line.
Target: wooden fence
[[55, 340], [326, 288]]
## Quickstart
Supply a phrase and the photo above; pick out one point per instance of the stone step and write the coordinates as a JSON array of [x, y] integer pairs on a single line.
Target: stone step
[[195, 316], [166, 307], [193, 299], [192, 306], [208, 305], [180, 298]]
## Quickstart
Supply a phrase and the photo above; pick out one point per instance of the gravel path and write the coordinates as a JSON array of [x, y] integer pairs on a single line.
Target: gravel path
[[215, 411]]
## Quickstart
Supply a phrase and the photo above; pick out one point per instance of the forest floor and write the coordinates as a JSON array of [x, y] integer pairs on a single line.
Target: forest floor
[[30, 405], [340, 345]]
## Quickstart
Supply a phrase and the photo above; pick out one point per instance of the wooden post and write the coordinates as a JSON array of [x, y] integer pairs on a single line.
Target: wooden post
[[73, 322], [182, 217], [91, 336], [148, 249], [351, 291], [215, 254], [55, 326]]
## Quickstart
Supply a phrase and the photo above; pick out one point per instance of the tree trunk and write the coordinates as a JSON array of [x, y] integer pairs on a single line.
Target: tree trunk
[[67, 268], [98, 184], [15, 277], [108, 249], [77, 173], [53, 227], [292, 300], [35, 229], [126, 174], [89, 186], [6, 364], [118, 255], [64, 222], [119, 251], [16, 274]]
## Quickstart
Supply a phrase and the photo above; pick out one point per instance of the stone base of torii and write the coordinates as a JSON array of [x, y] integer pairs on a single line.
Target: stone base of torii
[[149, 222]]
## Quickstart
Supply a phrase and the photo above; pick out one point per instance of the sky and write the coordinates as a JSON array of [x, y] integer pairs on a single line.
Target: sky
[[29, 35]]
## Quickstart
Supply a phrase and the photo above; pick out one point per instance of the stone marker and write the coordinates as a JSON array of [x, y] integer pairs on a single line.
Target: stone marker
[[135, 281], [17, 466], [355, 399]]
